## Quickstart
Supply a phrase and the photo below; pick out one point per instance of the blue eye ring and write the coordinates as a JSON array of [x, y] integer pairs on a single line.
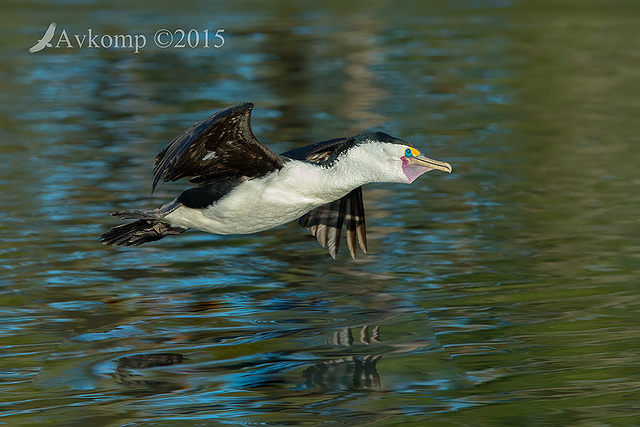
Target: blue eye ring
[[408, 152]]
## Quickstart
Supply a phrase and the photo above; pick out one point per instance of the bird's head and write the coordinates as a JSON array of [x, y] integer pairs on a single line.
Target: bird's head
[[386, 159]]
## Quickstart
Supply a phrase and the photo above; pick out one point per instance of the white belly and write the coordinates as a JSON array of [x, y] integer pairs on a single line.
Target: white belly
[[260, 204]]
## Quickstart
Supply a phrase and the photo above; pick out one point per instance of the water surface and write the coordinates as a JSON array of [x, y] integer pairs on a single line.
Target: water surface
[[505, 293]]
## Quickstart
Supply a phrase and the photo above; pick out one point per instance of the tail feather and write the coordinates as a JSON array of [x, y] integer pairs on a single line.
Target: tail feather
[[158, 213], [136, 214], [148, 227], [139, 232]]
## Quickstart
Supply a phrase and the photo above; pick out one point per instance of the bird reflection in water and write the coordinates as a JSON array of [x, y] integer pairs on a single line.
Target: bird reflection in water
[[128, 368], [350, 372]]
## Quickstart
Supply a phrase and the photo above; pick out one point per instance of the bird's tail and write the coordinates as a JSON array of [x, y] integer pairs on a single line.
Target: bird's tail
[[148, 227], [139, 232]]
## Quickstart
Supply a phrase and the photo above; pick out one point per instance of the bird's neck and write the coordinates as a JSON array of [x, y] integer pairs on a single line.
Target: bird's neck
[[321, 183], [344, 175], [354, 171]]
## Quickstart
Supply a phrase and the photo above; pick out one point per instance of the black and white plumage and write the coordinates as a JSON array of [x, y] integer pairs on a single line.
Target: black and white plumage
[[243, 187]]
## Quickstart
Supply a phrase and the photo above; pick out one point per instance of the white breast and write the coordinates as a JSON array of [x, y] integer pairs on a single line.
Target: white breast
[[264, 203]]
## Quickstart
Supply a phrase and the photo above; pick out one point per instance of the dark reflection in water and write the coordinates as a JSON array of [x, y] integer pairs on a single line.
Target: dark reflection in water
[[503, 294], [127, 369], [350, 372]]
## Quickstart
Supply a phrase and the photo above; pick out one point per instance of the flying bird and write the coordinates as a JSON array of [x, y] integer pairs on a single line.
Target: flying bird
[[45, 40], [242, 187]]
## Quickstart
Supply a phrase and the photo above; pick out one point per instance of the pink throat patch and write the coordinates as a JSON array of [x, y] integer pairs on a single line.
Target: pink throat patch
[[412, 172]]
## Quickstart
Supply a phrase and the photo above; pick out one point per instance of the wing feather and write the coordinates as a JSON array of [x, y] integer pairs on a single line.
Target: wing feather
[[220, 146]]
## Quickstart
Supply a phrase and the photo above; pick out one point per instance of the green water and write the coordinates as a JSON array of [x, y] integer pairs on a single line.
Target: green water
[[503, 294]]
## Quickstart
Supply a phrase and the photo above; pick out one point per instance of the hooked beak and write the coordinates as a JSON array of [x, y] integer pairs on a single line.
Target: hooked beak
[[426, 162]]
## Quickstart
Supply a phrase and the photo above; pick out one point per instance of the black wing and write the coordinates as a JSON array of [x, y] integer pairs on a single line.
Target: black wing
[[326, 222], [219, 146]]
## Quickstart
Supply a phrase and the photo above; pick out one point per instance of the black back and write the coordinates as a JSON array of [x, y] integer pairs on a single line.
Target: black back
[[317, 153], [206, 195]]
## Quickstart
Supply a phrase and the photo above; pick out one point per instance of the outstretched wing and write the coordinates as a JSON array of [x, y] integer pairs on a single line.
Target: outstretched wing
[[219, 146], [326, 222]]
